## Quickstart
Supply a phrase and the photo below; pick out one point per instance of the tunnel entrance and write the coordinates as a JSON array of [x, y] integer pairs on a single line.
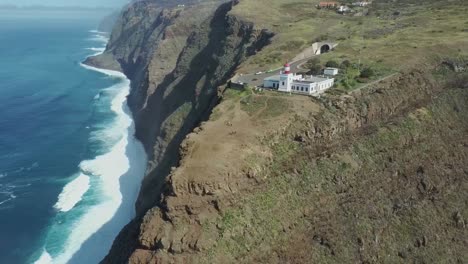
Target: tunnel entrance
[[324, 49]]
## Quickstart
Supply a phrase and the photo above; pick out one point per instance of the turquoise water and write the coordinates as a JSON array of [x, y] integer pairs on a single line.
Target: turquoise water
[[66, 144]]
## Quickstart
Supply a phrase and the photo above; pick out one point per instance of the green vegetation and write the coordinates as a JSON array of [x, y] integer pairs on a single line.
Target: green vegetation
[[396, 41], [367, 72], [351, 74], [376, 197], [338, 200], [314, 65], [234, 93], [253, 103], [348, 78], [265, 106], [275, 107], [332, 63]]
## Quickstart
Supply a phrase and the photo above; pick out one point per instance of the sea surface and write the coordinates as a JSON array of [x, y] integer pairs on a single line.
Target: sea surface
[[70, 168]]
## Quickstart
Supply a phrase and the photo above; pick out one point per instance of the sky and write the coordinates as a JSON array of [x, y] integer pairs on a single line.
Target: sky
[[86, 3]]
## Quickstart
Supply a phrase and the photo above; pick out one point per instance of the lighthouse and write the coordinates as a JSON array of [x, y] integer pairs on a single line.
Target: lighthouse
[[286, 79]]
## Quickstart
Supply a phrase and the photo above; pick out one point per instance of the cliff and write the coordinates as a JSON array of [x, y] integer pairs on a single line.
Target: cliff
[[302, 185], [176, 57], [242, 176]]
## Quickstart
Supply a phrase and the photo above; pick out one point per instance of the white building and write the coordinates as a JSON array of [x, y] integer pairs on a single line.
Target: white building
[[330, 71], [343, 9], [290, 82], [362, 3]]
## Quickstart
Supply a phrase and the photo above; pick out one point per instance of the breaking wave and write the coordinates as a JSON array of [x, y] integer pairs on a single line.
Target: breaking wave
[[99, 202], [72, 193]]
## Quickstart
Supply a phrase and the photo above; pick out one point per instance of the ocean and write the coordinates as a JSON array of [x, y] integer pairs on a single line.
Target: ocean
[[70, 168]]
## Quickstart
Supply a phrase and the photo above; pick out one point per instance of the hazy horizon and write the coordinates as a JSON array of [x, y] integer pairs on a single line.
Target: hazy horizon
[[69, 3]]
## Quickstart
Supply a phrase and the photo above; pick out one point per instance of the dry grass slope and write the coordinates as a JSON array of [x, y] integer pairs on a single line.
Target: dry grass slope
[[397, 34]]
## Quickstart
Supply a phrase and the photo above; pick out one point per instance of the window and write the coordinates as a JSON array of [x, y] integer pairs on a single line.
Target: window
[[283, 83], [302, 89], [307, 89], [294, 87]]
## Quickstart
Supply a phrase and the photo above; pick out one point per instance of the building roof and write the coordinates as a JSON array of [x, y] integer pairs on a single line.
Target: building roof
[[312, 79], [307, 79], [328, 3], [330, 68], [315, 79], [272, 78]]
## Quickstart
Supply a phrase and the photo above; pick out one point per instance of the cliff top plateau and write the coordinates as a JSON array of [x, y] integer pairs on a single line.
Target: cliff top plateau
[[375, 170]]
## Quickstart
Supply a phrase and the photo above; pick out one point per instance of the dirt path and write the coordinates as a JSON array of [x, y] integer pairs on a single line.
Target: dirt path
[[374, 82]]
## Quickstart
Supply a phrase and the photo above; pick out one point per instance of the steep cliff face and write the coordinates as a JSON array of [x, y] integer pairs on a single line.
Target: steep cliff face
[[271, 178], [176, 57], [287, 187]]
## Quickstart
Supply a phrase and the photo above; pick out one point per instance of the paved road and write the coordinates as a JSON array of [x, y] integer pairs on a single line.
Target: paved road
[[257, 79]]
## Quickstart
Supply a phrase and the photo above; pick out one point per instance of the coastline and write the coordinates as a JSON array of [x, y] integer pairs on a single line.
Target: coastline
[[117, 174]]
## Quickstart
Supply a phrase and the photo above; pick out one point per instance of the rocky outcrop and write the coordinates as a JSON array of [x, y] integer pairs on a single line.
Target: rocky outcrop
[[179, 230], [363, 108], [176, 57], [108, 22], [456, 65]]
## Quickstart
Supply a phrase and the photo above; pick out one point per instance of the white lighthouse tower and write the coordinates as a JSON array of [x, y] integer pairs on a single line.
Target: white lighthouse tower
[[286, 79]]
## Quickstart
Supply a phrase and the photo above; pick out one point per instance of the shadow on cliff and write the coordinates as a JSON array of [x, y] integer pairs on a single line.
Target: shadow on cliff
[[96, 247], [195, 80], [210, 57]]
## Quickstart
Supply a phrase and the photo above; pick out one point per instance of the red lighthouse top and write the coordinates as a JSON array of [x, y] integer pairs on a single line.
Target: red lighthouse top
[[287, 68]]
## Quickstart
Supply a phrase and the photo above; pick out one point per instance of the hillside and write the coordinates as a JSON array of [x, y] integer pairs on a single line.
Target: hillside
[[374, 171]]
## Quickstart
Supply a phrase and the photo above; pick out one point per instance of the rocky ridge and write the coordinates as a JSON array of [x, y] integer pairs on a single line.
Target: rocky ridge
[[207, 210], [179, 231], [176, 57]]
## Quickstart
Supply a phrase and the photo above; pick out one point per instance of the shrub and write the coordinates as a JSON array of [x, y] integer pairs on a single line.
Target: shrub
[[315, 69], [345, 64], [367, 73], [332, 64], [313, 61], [321, 38], [314, 65]]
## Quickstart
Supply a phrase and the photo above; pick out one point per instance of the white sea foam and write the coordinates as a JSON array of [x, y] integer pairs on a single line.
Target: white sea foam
[[94, 31], [5, 201], [97, 49], [44, 259], [114, 74], [118, 174], [99, 38], [72, 193]]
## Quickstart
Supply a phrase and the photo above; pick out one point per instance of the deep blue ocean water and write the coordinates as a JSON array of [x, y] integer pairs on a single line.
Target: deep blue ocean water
[[56, 119]]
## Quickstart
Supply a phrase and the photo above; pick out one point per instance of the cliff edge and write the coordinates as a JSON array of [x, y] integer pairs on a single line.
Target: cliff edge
[[371, 175]]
